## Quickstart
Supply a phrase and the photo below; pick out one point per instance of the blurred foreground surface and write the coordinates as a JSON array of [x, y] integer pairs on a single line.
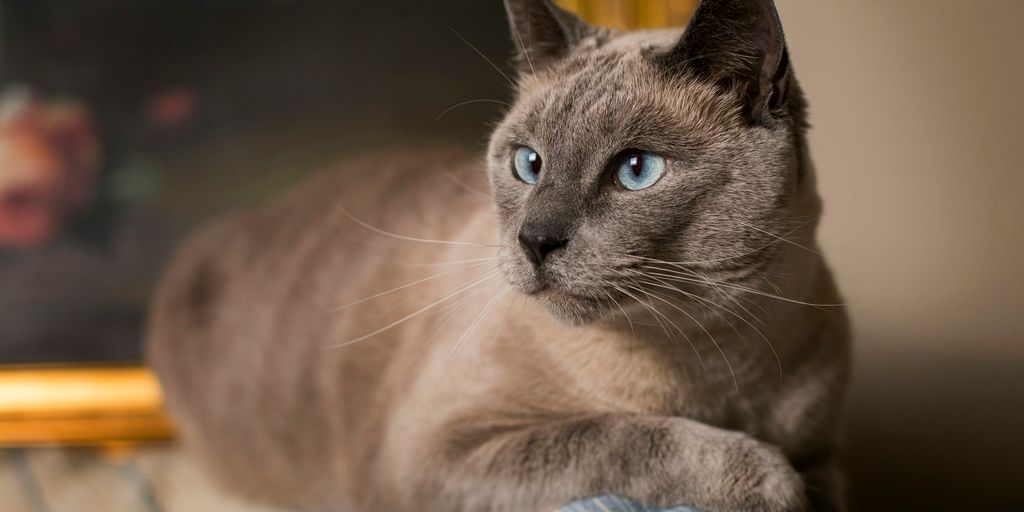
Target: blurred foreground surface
[[156, 479]]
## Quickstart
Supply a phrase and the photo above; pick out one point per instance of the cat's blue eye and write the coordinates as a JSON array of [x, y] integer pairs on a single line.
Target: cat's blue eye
[[527, 165], [639, 170]]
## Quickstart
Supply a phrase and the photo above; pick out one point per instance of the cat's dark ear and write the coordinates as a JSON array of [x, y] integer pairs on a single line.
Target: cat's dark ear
[[740, 44], [542, 32]]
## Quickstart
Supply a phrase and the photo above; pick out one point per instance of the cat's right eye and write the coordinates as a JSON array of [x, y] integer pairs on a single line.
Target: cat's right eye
[[527, 165]]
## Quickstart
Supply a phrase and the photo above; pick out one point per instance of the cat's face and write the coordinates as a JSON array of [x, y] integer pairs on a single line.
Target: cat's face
[[610, 162]]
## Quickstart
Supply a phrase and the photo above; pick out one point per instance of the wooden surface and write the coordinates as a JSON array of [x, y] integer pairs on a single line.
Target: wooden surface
[[154, 479]]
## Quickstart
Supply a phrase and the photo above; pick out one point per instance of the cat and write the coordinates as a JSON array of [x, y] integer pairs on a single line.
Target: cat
[[637, 307]]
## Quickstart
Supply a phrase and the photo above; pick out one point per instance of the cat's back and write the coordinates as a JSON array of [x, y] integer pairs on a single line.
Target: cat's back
[[241, 320]]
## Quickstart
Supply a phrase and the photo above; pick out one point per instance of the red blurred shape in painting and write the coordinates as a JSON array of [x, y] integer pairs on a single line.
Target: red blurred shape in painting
[[49, 159], [171, 108]]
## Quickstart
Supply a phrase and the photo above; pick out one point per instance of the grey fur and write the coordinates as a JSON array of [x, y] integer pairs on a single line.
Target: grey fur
[[584, 376]]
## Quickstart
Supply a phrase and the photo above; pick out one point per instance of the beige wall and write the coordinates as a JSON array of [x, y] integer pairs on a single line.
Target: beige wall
[[918, 109]]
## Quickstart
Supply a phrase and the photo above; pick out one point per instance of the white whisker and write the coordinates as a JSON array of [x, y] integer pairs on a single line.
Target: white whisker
[[469, 102], [713, 284], [775, 353], [657, 313], [445, 263], [404, 286], [773, 296], [689, 279], [526, 51], [735, 381], [475, 323], [449, 316], [732, 257], [780, 238], [430, 306], [409, 238], [463, 184], [411, 297], [481, 54], [632, 328]]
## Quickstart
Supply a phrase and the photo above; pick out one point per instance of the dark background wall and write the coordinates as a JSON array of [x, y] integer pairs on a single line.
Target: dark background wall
[[361, 62]]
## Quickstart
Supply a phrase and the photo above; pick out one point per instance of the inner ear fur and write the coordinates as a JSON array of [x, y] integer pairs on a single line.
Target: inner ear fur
[[737, 44], [542, 32]]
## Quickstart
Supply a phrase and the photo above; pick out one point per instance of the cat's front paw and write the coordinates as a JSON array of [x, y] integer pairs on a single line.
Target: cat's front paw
[[753, 476]]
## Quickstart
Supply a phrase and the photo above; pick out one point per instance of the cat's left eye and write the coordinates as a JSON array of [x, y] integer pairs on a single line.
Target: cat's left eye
[[638, 170]]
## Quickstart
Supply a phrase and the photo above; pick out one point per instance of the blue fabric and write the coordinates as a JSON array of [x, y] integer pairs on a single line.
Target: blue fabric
[[617, 504]]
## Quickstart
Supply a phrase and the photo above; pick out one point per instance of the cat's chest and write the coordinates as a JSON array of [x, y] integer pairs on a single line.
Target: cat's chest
[[601, 371]]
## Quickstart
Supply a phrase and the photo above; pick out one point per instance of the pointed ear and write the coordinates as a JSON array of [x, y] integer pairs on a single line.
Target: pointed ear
[[542, 32], [738, 44]]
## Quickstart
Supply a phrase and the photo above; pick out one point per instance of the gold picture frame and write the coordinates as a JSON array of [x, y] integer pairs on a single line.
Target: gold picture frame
[[106, 406]]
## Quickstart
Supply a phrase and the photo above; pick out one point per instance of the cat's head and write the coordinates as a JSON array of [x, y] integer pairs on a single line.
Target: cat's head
[[625, 149]]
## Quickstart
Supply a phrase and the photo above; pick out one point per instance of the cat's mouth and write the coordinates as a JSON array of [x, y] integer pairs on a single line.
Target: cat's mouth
[[568, 306], [564, 296], [548, 289]]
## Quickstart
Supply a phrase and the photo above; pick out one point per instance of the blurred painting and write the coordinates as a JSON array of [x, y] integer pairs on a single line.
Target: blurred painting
[[125, 124], [70, 248]]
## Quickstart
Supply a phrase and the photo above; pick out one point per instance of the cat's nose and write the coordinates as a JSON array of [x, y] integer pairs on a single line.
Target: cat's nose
[[538, 244]]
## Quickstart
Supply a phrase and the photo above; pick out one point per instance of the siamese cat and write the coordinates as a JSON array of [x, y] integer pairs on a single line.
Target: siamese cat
[[636, 308]]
